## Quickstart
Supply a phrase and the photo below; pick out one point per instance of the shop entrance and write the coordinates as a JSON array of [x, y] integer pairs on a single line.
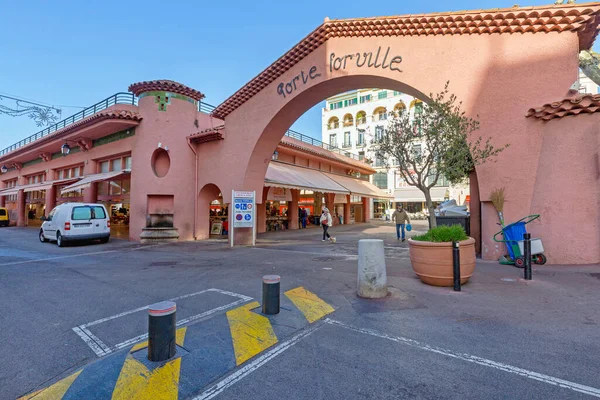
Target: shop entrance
[[212, 214], [114, 195]]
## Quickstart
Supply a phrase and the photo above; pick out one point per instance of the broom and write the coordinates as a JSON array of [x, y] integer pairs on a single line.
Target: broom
[[498, 198]]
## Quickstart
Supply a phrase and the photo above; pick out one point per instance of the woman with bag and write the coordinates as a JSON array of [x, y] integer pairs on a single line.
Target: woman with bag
[[326, 221]]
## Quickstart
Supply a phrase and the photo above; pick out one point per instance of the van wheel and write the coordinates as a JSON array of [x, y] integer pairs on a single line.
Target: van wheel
[[59, 240], [104, 240], [42, 237]]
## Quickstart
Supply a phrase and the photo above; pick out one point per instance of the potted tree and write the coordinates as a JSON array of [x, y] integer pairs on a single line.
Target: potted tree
[[431, 255], [430, 144]]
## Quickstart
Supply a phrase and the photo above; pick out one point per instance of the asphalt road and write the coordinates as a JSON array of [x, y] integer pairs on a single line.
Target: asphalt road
[[500, 337]]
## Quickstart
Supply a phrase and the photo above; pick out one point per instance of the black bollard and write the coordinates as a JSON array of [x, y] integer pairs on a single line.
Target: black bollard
[[456, 265], [270, 294], [161, 331], [527, 255]]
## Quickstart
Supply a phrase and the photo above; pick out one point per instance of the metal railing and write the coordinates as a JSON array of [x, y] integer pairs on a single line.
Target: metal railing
[[118, 98], [205, 107], [318, 143]]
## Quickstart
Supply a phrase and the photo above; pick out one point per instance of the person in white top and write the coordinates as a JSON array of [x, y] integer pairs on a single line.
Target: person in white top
[[326, 221]]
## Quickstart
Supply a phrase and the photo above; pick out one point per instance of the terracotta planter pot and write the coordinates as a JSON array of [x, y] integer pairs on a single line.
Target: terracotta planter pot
[[432, 262]]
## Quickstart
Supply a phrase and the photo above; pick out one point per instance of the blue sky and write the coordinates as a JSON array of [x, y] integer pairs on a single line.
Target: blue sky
[[77, 53]]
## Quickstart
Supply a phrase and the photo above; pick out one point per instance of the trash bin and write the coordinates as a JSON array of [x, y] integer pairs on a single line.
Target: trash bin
[[464, 221]]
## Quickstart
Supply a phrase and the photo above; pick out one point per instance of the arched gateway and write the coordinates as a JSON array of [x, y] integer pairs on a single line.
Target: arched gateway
[[500, 64]]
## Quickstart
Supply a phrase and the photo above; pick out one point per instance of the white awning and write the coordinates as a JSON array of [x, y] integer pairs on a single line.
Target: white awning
[[413, 194], [15, 189], [48, 184], [89, 179], [294, 177], [358, 187]]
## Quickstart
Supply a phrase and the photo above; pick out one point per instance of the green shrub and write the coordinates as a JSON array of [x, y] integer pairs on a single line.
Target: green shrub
[[454, 233]]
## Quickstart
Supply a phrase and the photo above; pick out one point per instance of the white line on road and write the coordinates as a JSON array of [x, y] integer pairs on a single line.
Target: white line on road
[[475, 359], [101, 349], [59, 257], [254, 365]]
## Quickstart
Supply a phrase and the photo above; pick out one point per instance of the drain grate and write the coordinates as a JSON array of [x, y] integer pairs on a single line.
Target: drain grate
[[164, 263]]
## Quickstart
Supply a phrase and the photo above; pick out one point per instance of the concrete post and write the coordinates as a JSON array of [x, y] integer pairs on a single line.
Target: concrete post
[[21, 214], [50, 199], [261, 212], [329, 203], [90, 194], [293, 210], [347, 210], [366, 209], [372, 277]]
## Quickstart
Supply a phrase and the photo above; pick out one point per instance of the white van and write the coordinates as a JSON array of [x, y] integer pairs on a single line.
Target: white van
[[76, 221]]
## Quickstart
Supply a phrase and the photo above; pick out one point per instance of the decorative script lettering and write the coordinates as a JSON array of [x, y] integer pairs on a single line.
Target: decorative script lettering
[[288, 88], [365, 59]]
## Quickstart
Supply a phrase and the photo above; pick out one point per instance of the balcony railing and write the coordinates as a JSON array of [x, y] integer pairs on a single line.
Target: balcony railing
[[205, 107], [318, 143], [119, 98], [346, 145], [360, 143], [333, 126], [361, 121], [348, 123]]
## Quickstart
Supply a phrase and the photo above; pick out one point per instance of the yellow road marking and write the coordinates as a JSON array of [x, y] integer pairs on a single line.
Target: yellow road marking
[[309, 304], [54, 392], [251, 333], [136, 381]]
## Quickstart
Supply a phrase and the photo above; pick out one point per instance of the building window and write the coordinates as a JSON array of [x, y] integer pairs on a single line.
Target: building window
[[347, 141], [335, 106], [361, 137], [361, 155], [350, 102], [364, 99], [380, 180], [382, 95], [378, 133], [417, 151], [378, 162], [333, 140], [396, 93], [116, 164], [72, 172]]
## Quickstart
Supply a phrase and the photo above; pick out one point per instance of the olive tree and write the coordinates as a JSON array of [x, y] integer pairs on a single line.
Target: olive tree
[[433, 143]]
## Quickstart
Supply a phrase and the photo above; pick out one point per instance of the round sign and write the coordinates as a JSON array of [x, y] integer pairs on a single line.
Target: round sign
[[238, 217], [248, 217], [249, 206]]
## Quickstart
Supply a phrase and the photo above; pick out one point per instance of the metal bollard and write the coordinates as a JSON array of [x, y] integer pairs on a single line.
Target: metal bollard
[[527, 255], [270, 294], [456, 265], [161, 331]]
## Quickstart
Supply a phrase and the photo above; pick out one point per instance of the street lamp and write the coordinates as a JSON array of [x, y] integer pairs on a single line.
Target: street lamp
[[4, 169], [65, 149]]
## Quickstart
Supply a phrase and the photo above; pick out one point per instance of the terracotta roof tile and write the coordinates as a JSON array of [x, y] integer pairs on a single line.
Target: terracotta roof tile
[[583, 19], [586, 104], [164, 85], [208, 135]]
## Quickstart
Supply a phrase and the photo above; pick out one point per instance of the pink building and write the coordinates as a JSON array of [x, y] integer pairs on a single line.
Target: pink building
[[173, 161]]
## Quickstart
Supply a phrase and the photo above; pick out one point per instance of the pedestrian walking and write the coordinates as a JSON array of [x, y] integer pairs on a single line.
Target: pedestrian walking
[[303, 217], [400, 216], [326, 221]]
